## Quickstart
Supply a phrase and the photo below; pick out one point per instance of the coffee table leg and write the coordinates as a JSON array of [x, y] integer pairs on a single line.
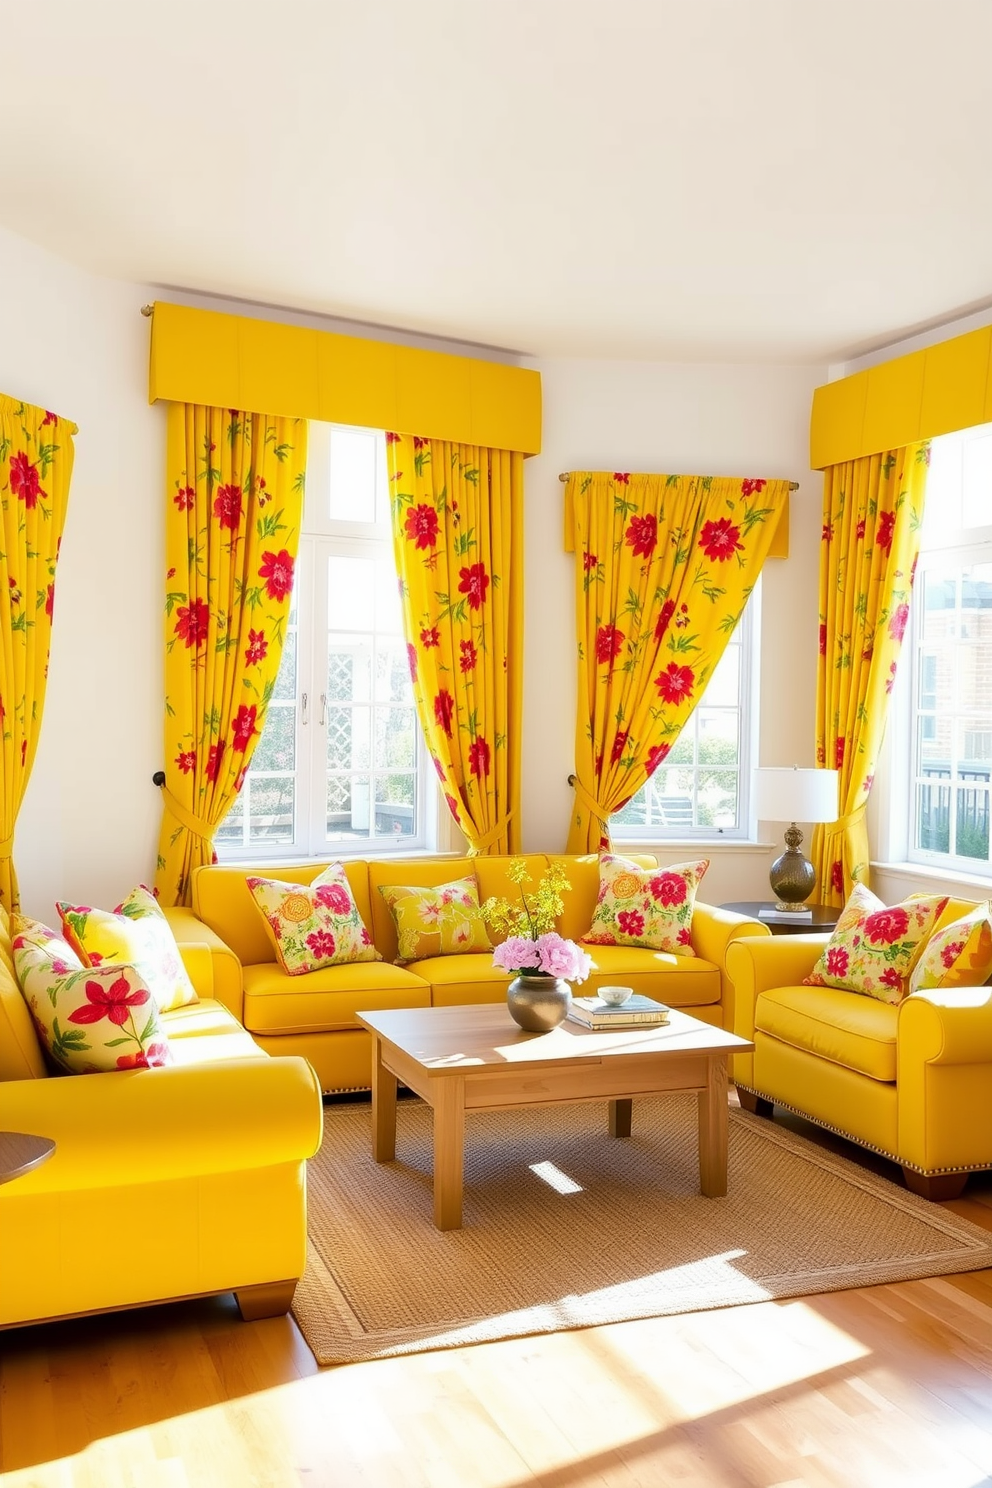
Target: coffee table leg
[[383, 1107], [620, 1117], [713, 1130], [448, 1100]]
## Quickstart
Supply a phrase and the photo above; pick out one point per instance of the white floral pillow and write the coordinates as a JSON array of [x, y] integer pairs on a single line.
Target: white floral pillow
[[313, 926], [650, 907], [91, 1020], [136, 934]]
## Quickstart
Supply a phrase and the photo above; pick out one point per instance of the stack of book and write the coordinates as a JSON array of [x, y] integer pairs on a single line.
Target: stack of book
[[636, 1012]]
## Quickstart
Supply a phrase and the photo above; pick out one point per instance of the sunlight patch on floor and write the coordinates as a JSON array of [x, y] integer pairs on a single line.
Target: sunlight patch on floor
[[555, 1178]]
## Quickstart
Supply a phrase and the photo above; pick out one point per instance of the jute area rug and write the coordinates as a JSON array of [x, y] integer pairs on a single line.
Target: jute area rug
[[565, 1227]]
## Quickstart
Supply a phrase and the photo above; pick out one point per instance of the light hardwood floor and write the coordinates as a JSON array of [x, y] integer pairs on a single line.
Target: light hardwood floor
[[882, 1386]]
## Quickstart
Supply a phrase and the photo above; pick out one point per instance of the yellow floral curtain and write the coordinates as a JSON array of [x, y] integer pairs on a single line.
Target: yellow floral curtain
[[36, 454], [872, 510], [457, 533], [234, 503], [664, 567]]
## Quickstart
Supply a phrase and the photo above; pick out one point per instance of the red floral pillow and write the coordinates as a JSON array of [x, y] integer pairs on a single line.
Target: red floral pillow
[[649, 907], [873, 949]]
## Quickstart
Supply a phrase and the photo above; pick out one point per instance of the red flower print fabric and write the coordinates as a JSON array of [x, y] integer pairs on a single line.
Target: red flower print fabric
[[650, 907], [874, 948], [313, 925]]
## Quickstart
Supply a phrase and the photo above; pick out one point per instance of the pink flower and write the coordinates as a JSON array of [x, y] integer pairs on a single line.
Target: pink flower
[[156, 1054], [517, 953], [322, 943], [111, 1002], [675, 683], [444, 706], [950, 953], [642, 535], [474, 581], [897, 624], [655, 756], [334, 897], [243, 727], [837, 960], [277, 571], [720, 540], [422, 525], [191, 623], [411, 659], [631, 922], [227, 507], [886, 926], [257, 647], [24, 480], [668, 889]]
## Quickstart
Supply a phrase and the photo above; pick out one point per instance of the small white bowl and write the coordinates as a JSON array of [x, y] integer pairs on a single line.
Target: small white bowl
[[615, 996]]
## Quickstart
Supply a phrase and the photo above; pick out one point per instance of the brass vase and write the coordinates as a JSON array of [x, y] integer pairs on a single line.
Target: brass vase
[[538, 1002]]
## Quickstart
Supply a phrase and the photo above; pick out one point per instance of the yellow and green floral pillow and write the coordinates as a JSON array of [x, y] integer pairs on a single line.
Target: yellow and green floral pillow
[[90, 1020], [650, 907], [959, 955], [136, 934], [313, 926], [443, 921], [874, 949]]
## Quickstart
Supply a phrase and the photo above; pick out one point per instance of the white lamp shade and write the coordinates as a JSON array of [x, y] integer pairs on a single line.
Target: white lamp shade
[[795, 795]]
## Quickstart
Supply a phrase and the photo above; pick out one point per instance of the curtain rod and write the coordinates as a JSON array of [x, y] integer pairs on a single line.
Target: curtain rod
[[565, 474]]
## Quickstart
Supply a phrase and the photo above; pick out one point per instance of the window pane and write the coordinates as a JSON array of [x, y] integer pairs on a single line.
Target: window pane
[[276, 750], [231, 828], [285, 687], [392, 674], [933, 818], [351, 586], [935, 746], [723, 688], [354, 462], [718, 798], [939, 601], [349, 674], [977, 482], [395, 743], [270, 807], [394, 805], [972, 825], [348, 806], [349, 738], [974, 748], [388, 610]]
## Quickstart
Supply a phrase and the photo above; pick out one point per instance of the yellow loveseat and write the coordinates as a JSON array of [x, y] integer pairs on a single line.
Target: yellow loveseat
[[315, 1014], [165, 1183], [912, 1081]]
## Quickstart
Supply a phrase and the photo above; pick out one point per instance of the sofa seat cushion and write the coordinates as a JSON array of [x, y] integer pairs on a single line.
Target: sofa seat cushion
[[682, 981], [327, 999], [457, 980], [841, 1027], [205, 1031]]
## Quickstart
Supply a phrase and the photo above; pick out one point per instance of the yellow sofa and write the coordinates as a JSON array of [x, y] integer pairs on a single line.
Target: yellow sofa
[[165, 1183], [315, 1014], [913, 1081]]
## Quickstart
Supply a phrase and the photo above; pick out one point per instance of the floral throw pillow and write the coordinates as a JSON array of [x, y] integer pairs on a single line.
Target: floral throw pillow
[[313, 926], [874, 949], [650, 907], [136, 934], [443, 921], [959, 955], [90, 1020]]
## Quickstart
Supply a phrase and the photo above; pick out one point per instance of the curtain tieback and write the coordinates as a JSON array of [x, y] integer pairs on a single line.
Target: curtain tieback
[[479, 842], [192, 823], [852, 818], [587, 798]]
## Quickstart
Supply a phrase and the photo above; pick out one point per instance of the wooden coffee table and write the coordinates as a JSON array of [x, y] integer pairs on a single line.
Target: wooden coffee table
[[476, 1059]]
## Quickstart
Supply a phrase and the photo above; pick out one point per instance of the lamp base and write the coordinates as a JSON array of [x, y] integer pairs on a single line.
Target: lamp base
[[792, 876]]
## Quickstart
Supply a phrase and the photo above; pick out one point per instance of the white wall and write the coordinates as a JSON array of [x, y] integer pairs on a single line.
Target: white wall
[[77, 344], [685, 418]]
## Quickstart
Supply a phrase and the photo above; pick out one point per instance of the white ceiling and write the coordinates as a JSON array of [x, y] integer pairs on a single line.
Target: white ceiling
[[788, 180]]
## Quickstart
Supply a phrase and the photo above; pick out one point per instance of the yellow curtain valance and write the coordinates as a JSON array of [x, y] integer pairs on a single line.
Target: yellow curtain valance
[[908, 399], [779, 547], [262, 366]]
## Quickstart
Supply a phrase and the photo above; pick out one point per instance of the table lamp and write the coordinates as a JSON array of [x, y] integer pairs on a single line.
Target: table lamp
[[793, 795]]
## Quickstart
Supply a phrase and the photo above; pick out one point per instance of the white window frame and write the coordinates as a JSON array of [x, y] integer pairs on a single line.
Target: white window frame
[[321, 538], [749, 631]]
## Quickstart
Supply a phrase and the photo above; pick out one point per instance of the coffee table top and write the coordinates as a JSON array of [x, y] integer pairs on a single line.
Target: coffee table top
[[20, 1152], [456, 1040]]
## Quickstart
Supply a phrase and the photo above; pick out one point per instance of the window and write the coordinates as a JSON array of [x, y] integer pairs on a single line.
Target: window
[[948, 734], [701, 788], [340, 764]]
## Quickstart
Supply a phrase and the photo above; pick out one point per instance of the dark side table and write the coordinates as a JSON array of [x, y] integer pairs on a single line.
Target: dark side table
[[19, 1153], [825, 917]]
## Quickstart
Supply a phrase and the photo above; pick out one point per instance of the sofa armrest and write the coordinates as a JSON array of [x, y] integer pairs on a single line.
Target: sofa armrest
[[199, 963], [757, 965], [177, 1122], [943, 1077], [225, 973], [713, 931], [946, 1025]]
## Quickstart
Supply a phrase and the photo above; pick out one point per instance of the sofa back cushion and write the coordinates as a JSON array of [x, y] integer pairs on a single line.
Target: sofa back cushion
[[222, 900], [583, 875], [493, 881], [412, 873], [20, 1052]]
